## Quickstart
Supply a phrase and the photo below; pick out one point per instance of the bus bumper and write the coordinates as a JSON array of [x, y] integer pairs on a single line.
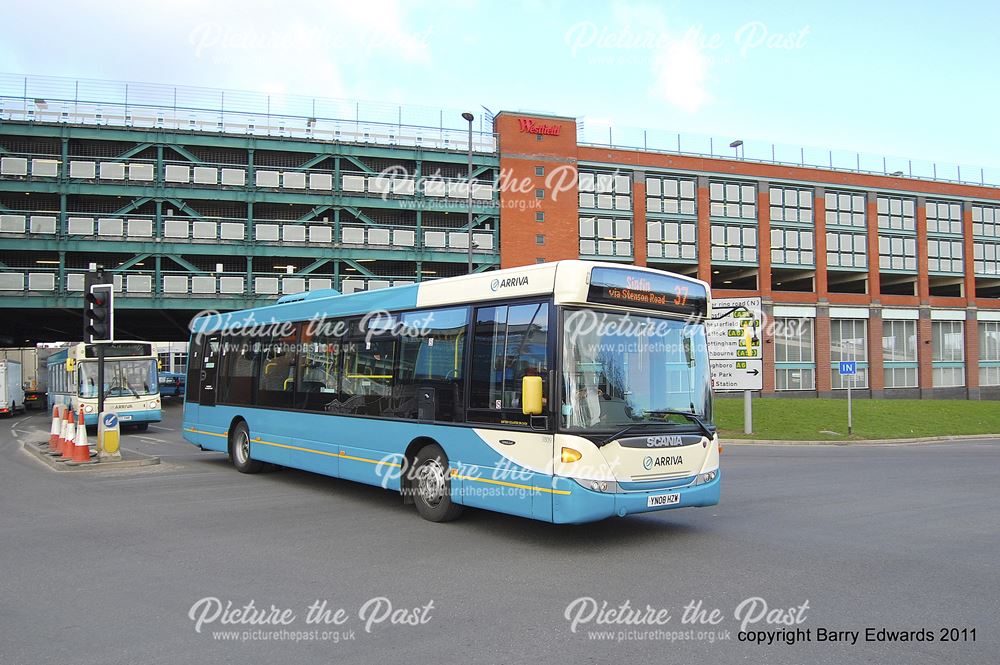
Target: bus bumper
[[128, 417], [585, 505]]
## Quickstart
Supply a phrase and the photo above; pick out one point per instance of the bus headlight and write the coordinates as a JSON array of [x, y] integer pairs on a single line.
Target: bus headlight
[[153, 404], [706, 477], [88, 408], [599, 485]]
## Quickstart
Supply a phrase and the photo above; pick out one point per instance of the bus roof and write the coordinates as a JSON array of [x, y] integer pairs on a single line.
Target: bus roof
[[568, 282]]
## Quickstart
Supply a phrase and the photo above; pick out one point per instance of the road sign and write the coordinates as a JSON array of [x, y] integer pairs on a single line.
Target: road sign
[[737, 374], [737, 360], [848, 368]]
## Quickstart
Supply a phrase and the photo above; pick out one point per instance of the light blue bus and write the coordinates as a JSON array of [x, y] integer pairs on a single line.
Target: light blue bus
[[568, 392]]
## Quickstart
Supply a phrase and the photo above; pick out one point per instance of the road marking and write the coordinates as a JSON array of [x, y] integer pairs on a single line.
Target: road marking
[[162, 429], [152, 439]]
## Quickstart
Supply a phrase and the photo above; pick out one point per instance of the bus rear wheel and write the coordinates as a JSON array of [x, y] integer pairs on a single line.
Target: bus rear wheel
[[239, 450], [432, 486]]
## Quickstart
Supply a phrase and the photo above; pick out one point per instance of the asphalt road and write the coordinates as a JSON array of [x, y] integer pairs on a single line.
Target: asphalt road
[[109, 568]]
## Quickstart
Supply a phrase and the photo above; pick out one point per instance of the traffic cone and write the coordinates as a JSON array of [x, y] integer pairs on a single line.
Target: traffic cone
[[61, 443], [68, 440], [54, 430], [81, 450]]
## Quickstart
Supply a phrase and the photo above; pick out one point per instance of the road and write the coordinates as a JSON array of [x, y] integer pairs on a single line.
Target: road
[[110, 568]]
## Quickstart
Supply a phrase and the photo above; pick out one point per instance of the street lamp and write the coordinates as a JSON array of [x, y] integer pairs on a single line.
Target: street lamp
[[468, 118], [735, 145]]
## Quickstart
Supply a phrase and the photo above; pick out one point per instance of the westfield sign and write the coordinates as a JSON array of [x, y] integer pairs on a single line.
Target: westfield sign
[[531, 127]]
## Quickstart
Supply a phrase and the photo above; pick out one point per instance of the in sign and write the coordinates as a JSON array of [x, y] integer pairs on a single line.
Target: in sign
[[848, 368]]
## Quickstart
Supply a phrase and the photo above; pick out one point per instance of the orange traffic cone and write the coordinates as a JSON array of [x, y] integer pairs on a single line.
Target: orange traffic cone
[[81, 451], [61, 443], [54, 430], [67, 450]]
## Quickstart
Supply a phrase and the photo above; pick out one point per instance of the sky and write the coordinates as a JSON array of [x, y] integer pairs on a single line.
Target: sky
[[909, 79]]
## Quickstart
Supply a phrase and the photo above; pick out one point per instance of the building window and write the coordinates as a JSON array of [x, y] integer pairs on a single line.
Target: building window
[[948, 354], [672, 239], [540, 260], [605, 191], [733, 199], [539, 193], [794, 360], [734, 242], [899, 353], [846, 250], [605, 236], [849, 342], [539, 170], [896, 213], [672, 196], [791, 205], [845, 209], [897, 253], [539, 239], [792, 246], [944, 255], [986, 258], [986, 221], [539, 216], [944, 217], [989, 353]]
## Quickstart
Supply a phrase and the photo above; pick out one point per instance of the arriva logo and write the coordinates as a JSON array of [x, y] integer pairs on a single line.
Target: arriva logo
[[497, 284], [647, 463]]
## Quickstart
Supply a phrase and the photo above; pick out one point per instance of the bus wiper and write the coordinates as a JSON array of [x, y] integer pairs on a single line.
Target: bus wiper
[[687, 414], [620, 434]]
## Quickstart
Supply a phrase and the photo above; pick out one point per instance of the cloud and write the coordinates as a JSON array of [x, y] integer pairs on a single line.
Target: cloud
[[680, 72]]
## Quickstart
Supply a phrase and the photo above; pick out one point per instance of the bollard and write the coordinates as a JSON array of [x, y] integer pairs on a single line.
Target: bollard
[[108, 435], [81, 450], [68, 439]]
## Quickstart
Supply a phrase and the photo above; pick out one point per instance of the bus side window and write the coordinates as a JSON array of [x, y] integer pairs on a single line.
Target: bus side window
[[276, 370], [318, 371]]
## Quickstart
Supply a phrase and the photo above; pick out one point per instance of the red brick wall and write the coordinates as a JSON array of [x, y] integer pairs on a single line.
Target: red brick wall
[[971, 353], [639, 222], [819, 242], [520, 153], [764, 242], [822, 333], [876, 372], [924, 353]]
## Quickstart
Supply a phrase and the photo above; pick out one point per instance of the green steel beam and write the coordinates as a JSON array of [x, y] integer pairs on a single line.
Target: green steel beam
[[361, 165], [131, 262], [185, 153], [185, 208], [171, 138], [311, 215], [360, 268], [243, 249], [309, 163], [131, 152], [315, 265], [190, 267], [124, 210], [237, 195], [361, 217]]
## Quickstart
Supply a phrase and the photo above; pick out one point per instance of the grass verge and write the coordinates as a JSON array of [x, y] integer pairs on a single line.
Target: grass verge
[[826, 419]]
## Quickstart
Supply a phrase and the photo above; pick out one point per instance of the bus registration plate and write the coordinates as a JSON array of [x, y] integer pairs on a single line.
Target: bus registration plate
[[659, 500]]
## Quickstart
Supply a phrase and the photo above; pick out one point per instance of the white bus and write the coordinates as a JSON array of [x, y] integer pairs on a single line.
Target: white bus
[[568, 392], [131, 388]]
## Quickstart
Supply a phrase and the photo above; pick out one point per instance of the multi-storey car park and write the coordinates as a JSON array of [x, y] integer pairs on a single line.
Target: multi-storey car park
[[201, 200]]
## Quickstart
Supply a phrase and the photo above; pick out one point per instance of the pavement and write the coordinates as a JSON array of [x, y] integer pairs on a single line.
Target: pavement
[[140, 565]]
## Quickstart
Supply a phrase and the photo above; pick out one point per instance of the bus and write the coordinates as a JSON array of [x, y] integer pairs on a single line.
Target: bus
[[130, 382], [567, 392]]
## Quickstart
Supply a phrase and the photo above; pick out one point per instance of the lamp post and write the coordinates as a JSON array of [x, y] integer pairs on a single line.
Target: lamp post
[[735, 145], [468, 117]]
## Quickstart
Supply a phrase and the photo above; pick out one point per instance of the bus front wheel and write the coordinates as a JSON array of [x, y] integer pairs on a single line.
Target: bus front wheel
[[239, 450], [432, 486]]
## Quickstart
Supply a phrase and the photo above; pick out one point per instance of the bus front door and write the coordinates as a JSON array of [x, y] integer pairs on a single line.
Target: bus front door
[[209, 370]]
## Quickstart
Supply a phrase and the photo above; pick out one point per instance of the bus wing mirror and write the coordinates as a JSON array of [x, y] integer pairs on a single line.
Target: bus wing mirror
[[531, 395]]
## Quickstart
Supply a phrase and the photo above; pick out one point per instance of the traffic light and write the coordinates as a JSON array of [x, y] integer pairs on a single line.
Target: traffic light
[[98, 313]]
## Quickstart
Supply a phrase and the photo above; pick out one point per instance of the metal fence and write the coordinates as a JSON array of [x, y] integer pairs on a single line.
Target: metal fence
[[703, 145], [155, 106]]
